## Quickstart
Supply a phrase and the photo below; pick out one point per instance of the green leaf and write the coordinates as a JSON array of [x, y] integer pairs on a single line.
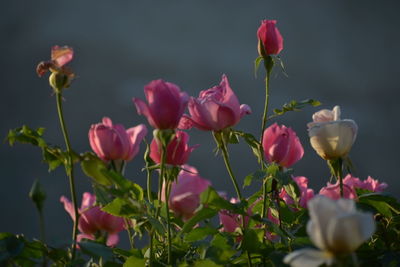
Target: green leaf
[[250, 241], [94, 167], [257, 62], [123, 207], [200, 233], [212, 199], [384, 204], [202, 214], [206, 263], [96, 250], [220, 251], [294, 106], [258, 176], [134, 261]]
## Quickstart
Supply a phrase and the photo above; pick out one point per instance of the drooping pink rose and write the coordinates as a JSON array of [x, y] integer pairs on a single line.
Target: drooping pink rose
[[93, 220], [215, 109], [333, 191], [178, 150], [281, 145], [184, 197], [60, 56], [166, 104], [112, 142], [305, 192], [270, 37]]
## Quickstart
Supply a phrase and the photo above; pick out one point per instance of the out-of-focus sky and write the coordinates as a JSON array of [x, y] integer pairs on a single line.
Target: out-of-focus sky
[[340, 52]]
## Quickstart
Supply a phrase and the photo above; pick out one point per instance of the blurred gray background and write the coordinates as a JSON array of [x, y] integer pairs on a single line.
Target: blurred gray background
[[339, 52]]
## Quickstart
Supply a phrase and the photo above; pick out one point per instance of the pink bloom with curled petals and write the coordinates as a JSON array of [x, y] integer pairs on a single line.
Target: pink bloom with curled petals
[[373, 185], [215, 109], [184, 198], [112, 142], [165, 104], [178, 150], [270, 37], [93, 220], [60, 56], [281, 145]]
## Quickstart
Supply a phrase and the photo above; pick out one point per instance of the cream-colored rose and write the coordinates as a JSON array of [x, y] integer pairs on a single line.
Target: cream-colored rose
[[336, 228], [330, 136]]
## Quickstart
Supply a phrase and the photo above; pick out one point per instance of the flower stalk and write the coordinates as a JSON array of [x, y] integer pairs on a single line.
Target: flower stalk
[[69, 168]]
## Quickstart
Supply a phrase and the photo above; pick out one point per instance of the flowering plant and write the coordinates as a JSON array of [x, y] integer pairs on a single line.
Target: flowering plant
[[181, 220]]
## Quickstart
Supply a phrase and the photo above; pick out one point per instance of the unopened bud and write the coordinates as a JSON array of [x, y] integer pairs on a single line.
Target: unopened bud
[[37, 194]]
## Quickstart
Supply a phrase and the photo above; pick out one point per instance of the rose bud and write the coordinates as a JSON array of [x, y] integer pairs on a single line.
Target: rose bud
[[215, 109], [166, 104], [178, 150], [184, 197], [270, 38], [112, 142], [330, 136], [93, 220], [336, 228], [281, 145]]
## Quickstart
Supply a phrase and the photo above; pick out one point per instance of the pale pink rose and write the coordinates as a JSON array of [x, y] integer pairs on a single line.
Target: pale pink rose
[[178, 150], [112, 142], [281, 145], [165, 104], [333, 191], [93, 220], [305, 193], [184, 197], [270, 37], [215, 109]]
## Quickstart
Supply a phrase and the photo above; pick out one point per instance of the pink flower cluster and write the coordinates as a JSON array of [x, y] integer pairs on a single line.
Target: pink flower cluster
[[93, 221], [350, 184]]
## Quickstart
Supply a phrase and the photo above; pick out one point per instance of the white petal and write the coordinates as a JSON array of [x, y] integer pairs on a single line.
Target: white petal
[[308, 258], [322, 211], [346, 233]]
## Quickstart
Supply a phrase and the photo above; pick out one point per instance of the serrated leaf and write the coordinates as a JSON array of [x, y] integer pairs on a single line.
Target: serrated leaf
[[134, 261], [123, 207], [206, 263], [200, 233], [250, 241], [96, 250], [94, 168], [255, 176], [294, 106], [200, 215]]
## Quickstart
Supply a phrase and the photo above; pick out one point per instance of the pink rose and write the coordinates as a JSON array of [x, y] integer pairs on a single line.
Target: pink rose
[[184, 197], [178, 150], [270, 37], [113, 142], [305, 193], [333, 191], [230, 221], [215, 109], [166, 104], [281, 145], [374, 185], [93, 220], [369, 184], [60, 56]]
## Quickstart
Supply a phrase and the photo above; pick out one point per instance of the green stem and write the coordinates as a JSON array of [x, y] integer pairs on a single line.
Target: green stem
[[130, 235], [249, 263], [265, 114], [149, 196], [222, 144], [42, 235], [166, 192], [340, 176], [151, 258], [69, 170]]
